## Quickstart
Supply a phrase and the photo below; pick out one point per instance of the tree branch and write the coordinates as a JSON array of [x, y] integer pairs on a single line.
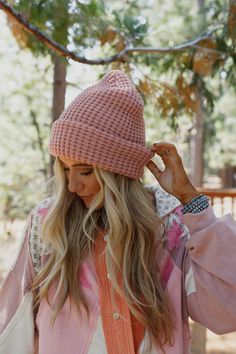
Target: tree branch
[[55, 46]]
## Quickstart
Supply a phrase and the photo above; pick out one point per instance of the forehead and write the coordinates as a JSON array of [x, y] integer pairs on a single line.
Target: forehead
[[71, 162]]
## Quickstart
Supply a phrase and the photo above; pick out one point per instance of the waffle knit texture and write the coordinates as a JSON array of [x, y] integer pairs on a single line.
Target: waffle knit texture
[[104, 127]]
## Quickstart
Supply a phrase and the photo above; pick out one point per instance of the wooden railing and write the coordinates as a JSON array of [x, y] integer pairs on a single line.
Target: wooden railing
[[223, 201]]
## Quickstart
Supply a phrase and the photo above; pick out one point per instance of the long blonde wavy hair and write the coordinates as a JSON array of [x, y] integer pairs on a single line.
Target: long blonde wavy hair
[[134, 242]]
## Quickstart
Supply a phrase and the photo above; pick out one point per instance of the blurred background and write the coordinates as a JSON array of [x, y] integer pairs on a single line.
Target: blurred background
[[181, 57]]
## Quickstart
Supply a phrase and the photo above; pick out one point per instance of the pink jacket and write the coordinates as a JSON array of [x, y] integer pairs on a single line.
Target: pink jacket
[[199, 270]]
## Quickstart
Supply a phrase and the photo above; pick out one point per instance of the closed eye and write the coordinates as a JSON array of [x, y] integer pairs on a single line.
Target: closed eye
[[86, 173], [81, 173]]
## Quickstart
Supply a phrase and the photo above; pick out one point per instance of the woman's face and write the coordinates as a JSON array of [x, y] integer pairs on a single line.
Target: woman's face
[[81, 179]]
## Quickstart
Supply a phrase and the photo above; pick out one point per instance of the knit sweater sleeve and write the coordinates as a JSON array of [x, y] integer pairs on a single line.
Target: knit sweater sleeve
[[209, 270], [204, 248], [22, 272], [18, 280]]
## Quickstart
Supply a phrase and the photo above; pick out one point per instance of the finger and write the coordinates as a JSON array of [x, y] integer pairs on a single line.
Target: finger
[[163, 153], [166, 151], [163, 148], [154, 169], [164, 145]]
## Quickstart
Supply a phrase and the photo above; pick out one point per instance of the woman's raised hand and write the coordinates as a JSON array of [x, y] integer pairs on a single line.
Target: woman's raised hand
[[174, 178]]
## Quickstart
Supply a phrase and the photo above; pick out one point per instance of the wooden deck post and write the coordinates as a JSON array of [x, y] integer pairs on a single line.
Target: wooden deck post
[[199, 339]]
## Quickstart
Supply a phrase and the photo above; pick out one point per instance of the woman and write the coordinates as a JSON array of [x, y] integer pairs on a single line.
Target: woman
[[116, 266]]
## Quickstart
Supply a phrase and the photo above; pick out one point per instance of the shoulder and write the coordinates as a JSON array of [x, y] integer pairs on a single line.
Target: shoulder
[[176, 233], [42, 208], [169, 209], [165, 203]]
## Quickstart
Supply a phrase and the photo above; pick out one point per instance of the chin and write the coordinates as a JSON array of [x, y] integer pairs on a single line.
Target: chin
[[87, 205]]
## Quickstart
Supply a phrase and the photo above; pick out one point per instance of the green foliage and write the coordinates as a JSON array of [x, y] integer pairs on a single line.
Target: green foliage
[[170, 83], [79, 24], [133, 27], [23, 164]]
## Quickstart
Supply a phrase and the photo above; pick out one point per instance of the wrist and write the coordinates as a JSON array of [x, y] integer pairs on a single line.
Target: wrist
[[186, 197]]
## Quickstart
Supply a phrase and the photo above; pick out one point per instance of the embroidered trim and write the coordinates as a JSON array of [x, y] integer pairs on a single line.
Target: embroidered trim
[[37, 248]]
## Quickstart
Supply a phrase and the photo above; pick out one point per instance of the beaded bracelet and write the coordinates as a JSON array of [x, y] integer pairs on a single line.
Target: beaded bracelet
[[196, 205]]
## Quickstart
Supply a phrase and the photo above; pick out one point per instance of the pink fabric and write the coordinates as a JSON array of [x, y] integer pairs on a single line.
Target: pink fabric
[[173, 236], [181, 331], [166, 268], [17, 282], [218, 236], [104, 126], [210, 252], [72, 332], [43, 212], [83, 277]]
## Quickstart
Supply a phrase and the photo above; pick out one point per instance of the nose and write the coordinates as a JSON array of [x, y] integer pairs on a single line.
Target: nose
[[74, 184]]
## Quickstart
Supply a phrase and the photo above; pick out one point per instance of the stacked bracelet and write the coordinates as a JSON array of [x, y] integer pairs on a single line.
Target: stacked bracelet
[[196, 204]]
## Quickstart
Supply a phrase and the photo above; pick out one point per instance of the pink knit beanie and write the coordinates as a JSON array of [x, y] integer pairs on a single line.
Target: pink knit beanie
[[104, 126]]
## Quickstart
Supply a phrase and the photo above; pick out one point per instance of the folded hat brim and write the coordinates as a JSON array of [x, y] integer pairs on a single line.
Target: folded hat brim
[[99, 148]]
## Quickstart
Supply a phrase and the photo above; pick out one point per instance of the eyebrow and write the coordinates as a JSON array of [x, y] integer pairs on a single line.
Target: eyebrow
[[78, 164]]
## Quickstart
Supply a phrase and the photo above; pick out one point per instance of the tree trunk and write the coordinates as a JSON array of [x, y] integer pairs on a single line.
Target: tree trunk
[[196, 158], [60, 34], [199, 339], [197, 142], [59, 91], [197, 149]]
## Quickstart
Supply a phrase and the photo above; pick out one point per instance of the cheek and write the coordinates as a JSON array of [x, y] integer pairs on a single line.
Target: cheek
[[95, 186]]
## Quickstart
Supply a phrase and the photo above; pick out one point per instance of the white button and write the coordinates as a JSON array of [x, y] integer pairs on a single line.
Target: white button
[[105, 238], [115, 315], [108, 276]]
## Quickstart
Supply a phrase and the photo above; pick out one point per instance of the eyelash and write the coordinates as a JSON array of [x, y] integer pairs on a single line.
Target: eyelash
[[86, 173], [82, 173]]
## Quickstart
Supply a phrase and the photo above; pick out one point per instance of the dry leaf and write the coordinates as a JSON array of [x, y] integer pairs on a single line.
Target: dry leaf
[[108, 35], [204, 59], [18, 32]]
